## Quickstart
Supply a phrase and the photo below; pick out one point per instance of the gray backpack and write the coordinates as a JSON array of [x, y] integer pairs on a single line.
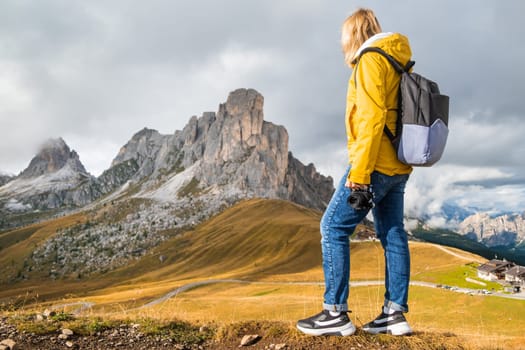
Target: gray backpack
[[422, 122]]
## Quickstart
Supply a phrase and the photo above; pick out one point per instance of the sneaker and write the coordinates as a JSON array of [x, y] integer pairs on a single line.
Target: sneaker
[[392, 323], [327, 323]]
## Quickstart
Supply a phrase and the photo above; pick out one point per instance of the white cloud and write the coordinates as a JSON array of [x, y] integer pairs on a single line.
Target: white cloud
[[430, 188], [93, 152], [510, 198], [483, 139], [12, 89]]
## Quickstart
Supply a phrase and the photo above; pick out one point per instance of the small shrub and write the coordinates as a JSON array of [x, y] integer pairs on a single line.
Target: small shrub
[[40, 328], [90, 326], [179, 331], [62, 317], [185, 333]]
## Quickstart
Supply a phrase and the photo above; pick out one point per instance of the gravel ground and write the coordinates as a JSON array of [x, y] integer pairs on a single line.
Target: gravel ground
[[269, 336], [123, 337]]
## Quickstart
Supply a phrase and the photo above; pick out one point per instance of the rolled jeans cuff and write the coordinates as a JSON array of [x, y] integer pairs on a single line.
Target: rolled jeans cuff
[[336, 307], [396, 307]]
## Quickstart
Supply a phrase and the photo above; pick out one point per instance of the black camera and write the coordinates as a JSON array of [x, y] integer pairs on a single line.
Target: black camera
[[361, 199]]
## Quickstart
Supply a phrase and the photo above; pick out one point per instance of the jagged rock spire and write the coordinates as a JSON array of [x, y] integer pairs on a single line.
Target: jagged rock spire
[[53, 156]]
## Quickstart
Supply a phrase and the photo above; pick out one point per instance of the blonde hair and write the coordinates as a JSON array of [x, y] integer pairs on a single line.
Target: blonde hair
[[356, 29]]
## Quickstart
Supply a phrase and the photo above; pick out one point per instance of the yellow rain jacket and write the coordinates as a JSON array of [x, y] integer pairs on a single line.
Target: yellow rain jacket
[[370, 104]]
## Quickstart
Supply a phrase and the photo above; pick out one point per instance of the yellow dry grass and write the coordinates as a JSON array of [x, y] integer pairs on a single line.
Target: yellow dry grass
[[478, 320]]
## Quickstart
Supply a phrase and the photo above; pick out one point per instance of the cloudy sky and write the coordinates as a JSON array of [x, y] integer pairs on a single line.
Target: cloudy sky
[[95, 72]]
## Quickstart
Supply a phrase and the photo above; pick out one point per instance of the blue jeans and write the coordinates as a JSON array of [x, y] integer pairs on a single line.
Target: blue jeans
[[339, 222]]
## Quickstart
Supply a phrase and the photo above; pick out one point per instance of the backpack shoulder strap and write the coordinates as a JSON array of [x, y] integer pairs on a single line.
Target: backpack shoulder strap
[[398, 68], [395, 63]]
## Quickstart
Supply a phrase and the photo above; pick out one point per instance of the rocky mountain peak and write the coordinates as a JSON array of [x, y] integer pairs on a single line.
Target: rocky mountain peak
[[239, 130], [502, 230], [54, 154], [139, 147], [245, 105], [234, 152], [243, 111], [55, 178]]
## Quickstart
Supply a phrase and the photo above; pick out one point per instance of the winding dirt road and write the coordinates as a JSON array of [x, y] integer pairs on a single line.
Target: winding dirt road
[[84, 306]]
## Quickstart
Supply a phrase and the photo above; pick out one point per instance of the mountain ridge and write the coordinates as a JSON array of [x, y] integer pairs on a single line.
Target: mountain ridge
[[502, 233], [157, 185], [506, 230], [233, 153]]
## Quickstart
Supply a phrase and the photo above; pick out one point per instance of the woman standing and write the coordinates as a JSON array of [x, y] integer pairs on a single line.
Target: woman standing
[[373, 170]]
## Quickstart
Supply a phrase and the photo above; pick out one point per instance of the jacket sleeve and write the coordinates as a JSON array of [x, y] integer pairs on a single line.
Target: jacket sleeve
[[370, 116]]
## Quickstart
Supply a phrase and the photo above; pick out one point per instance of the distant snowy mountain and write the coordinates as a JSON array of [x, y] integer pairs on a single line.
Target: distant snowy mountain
[[506, 230], [54, 178], [501, 232], [54, 155]]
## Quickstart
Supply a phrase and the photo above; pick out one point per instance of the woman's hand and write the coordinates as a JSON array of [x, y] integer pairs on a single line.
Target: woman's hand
[[355, 186]]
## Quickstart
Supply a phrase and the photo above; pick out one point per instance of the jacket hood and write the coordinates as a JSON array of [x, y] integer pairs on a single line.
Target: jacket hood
[[395, 44]]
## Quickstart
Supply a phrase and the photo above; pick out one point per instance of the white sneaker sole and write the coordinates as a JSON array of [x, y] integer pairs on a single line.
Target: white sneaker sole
[[401, 328], [344, 331]]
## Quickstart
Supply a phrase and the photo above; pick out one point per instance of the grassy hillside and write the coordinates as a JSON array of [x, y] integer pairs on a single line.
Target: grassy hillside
[[253, 239], [266, 240], [272, 249], [17, 245], [263, 240]]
